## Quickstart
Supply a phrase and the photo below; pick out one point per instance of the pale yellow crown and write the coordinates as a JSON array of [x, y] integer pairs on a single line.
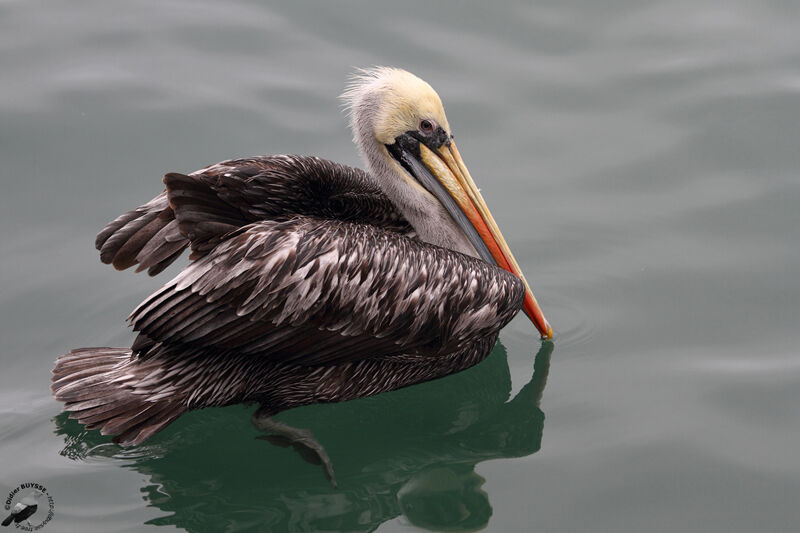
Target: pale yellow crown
[[402, 99]]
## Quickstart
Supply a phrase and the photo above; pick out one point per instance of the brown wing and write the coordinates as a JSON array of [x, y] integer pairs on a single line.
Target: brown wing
[[148, 236], [236, 193], [312, 291]]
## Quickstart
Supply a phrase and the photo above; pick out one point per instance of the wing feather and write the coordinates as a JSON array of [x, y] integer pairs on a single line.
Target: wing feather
[[313, 292], [202, 207], [147, 235]]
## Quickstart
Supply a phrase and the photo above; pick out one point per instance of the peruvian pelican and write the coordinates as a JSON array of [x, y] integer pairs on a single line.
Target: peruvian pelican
[[309, 281]]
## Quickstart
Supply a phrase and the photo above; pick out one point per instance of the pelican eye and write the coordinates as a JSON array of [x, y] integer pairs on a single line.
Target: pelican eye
[[427, 126]]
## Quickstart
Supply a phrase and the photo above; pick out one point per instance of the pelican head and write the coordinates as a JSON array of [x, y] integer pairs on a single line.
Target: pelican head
[[400, 127]]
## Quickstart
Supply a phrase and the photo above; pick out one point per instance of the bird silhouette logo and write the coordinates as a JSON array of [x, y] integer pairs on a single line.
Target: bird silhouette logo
[[24, 502]]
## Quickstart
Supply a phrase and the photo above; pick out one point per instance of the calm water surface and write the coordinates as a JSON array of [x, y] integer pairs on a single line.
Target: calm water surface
[[641, 157]]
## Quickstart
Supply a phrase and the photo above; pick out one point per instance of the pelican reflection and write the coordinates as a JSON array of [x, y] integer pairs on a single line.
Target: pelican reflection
[[411, 452]]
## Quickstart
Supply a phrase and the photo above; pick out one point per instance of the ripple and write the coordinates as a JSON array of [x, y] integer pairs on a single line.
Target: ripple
[[101, 453], [574, 326]]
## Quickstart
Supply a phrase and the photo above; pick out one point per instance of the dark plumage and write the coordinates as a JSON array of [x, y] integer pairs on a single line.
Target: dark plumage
[[307, 285], [310, 282], [233, 193]]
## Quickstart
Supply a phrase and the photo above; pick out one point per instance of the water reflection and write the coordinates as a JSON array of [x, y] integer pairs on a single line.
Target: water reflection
[[412, 452]]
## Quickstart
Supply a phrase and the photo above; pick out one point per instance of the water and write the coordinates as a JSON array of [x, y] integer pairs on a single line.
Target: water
[[641, 158]]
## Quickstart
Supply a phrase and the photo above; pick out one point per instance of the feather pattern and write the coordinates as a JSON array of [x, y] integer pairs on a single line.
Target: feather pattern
[[307, 285], [227, 195], [310, 292], [309, 281]]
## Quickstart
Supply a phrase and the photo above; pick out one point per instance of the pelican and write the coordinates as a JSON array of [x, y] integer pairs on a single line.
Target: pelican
[[309, 281]]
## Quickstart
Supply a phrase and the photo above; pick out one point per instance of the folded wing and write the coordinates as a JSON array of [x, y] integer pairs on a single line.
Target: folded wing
[[310, 292], [236, 193]]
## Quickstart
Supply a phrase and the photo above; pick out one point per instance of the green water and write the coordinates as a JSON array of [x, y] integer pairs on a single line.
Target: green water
[[641, 159]]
